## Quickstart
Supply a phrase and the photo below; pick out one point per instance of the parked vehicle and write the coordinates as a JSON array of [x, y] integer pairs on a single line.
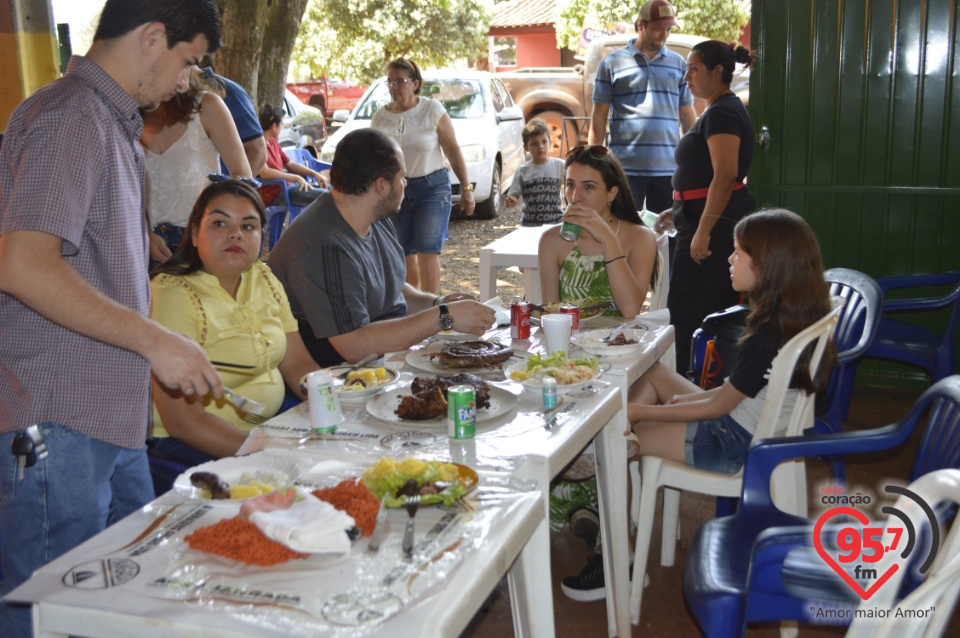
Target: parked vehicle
[[487, 123], [328, 95], [552, 93], [303, 126]]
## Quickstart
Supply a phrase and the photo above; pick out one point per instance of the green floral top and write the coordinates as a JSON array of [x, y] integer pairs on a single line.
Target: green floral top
[[585, 276]]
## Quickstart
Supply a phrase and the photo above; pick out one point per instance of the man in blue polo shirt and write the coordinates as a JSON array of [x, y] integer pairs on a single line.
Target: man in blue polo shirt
[[244, 116], [643, 83]]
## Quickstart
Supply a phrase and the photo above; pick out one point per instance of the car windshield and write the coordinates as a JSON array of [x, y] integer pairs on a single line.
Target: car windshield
[[461, 98]]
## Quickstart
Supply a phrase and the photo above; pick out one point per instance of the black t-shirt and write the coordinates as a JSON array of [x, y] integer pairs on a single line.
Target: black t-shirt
[[754, 360], [726, 115]]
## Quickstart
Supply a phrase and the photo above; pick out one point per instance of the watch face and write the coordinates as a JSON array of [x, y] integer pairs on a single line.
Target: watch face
[[446, 322]]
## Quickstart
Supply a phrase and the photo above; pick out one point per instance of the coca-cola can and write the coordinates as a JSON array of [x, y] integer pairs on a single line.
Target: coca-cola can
[[520, 319], [573, 310]]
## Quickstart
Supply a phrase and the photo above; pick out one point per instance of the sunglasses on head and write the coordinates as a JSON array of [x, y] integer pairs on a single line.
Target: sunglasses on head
[[219, 178], [596, 151]]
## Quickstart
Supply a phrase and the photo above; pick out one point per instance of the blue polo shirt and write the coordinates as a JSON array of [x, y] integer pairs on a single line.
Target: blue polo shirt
[[645, 96]]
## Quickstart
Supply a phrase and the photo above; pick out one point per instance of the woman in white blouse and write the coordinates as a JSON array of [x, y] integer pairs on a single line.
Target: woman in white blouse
[[425, 133]]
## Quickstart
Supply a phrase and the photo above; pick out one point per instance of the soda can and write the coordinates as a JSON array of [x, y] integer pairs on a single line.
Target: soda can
[[569, 231], [461, 412], [520, 319], [325, 412], [573, 310]]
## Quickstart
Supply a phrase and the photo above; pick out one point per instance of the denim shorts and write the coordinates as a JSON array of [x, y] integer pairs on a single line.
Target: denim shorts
[[718, 445], [424, 214]]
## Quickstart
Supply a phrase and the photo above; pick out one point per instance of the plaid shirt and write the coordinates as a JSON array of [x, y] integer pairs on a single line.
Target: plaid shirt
[[71, 166]]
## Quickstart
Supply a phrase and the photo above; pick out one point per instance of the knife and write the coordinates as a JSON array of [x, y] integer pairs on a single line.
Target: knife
[[377, 537]]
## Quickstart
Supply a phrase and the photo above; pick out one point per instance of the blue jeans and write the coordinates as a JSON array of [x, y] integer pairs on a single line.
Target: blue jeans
[[656, 190], [718, 445], [424, 214], [172, 236], [80, 488]]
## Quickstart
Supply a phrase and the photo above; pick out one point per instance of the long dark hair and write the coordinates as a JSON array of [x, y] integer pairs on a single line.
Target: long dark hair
[[624, 207], [791, 293], [183, 106], [187, 258]]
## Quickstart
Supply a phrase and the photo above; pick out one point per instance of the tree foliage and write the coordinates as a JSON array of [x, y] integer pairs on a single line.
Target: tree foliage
[[355, 38], [719, 19]]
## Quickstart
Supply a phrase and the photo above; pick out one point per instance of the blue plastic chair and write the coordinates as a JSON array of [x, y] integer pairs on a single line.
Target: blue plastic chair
[[856, 329], [737, 570], [277, 214], [913, 344]]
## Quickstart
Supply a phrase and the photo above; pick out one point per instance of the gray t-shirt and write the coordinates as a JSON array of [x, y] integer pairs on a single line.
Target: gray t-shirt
[[540, 186], [337, 281]]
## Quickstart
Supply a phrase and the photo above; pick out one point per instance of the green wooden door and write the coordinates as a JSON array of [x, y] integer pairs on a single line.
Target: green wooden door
[[856, 105]]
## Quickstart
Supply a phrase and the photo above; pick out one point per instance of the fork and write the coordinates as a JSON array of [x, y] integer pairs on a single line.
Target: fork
[[412, 505], [243, 403]]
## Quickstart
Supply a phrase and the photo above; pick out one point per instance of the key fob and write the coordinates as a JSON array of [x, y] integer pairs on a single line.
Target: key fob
[[29, 444]]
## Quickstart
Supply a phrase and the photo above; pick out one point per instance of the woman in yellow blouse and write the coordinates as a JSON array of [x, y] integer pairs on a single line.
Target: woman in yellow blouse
[[216, 290]]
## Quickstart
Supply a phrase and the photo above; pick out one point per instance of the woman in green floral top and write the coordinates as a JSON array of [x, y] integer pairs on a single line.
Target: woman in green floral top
[[615, 257]]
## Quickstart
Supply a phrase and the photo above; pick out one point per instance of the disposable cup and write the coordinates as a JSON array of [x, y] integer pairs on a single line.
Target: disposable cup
[[556, 332]]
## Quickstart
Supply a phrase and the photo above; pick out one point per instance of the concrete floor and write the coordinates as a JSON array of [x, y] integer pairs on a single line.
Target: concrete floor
[[664, 609]]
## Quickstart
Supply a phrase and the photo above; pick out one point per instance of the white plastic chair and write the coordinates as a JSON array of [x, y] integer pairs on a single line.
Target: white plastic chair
[[942, 583], [789, 480], [658, 297]]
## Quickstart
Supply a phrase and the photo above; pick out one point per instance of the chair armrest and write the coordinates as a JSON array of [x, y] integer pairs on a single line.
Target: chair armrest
[[912, 281], [764, 455]]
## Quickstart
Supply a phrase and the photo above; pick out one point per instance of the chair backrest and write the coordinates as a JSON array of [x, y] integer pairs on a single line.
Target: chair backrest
[[658, 298], [942, 581], [940, 445], [784, 364], [277, 213], [856, 328], [298, 155]]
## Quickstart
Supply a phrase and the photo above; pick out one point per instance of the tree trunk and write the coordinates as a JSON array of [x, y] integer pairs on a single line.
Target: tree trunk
[[283, 25], [243, 29]]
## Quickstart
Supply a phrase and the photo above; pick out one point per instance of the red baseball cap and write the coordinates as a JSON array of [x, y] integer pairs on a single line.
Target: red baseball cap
[[659, 12]]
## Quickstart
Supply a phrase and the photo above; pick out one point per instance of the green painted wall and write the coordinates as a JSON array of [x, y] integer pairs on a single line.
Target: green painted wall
[[861, 102]]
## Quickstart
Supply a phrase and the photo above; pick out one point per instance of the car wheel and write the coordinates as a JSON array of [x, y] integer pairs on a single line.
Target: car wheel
[[490, 207], [554, 122]]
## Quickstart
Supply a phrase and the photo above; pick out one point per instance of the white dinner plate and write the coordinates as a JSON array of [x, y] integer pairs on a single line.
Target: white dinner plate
[[384, 407], [591, 342], [348, 395], [425, 359], [453, 335], [535, 384], [231, 469]]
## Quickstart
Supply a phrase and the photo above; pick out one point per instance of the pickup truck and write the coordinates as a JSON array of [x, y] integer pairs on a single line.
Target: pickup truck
[[328, 95], [553, 93]]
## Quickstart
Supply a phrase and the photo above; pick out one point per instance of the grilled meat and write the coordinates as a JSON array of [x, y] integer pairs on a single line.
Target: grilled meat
[[429, 398]]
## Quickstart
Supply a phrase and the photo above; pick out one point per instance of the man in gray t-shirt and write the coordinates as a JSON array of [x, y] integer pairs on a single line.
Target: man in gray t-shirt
[[343, 268]]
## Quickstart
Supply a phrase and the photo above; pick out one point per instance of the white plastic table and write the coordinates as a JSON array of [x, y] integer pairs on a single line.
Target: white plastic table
[[518, 248]]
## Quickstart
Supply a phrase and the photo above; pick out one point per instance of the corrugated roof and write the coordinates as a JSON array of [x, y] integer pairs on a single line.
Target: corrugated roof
[[521, 13]]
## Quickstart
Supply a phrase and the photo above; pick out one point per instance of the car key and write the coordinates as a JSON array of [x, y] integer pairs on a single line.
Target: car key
[[28, 446]]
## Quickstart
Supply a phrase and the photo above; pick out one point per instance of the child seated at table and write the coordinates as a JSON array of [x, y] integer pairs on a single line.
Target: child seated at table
[[776, 261], [614, 258], [538, 181], [215, 290]]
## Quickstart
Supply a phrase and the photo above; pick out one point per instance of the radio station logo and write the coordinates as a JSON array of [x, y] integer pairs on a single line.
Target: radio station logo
[[860, 545]]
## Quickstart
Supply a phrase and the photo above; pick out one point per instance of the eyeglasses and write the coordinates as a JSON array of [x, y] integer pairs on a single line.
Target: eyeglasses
[[398, 81], [596, 151]]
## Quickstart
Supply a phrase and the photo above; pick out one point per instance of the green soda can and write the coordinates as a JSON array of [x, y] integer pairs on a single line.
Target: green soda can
[[461, 412], [568, 230]]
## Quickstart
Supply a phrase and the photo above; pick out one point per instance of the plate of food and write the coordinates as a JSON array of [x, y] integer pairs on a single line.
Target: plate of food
[[570, 375], [476, 357], [590, 309], [624, 341], [230, 481], [424, 402], [363, 382], [437, 483]]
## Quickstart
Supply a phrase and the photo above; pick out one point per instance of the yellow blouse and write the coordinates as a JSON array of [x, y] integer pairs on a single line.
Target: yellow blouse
[[249, 330]]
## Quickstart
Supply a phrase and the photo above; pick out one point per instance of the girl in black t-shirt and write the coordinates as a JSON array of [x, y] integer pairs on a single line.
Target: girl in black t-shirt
[[776, 260]]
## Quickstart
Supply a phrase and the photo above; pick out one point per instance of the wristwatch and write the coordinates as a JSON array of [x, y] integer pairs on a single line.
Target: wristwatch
[[468, 187], [445, 321]]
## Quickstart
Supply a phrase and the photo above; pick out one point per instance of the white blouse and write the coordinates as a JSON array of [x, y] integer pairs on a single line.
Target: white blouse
[[415, 130]]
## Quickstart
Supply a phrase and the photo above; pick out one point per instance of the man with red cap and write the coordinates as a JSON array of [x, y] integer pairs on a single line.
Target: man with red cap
[[640, 89]]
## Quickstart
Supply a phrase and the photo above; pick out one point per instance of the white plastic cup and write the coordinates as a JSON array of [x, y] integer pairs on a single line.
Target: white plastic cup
[[325, 412], [556, 332]]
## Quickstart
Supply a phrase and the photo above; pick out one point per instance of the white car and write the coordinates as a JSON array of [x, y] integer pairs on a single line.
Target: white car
[[487, 123], [303, 125]]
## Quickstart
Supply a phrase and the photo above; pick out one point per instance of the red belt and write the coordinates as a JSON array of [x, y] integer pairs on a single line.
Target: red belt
[[699, 193]]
